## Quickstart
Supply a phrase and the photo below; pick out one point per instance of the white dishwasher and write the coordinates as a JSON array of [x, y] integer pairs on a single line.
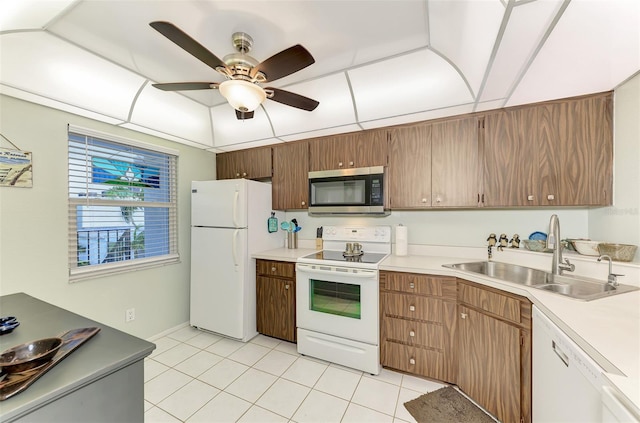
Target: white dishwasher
[[567, 384]]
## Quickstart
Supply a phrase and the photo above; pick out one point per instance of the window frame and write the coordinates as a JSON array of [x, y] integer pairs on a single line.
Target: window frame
[[79, 273]]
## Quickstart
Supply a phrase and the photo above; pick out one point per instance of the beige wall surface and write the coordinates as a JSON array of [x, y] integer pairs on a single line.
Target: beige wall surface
[[33, 228], [621, 222]]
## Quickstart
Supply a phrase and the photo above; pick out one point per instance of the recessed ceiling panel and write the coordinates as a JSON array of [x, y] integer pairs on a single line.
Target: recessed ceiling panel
[[465, 33], [173, 114], [406, 84], [250, 144], [525, 30], [164, 135], [322, 132], [594, 47], [418, 117], [43, 64], [227, 129], [29, 14], [335, 108]]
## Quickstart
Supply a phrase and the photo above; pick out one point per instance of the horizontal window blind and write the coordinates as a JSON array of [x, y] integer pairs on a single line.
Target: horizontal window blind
[[122, 206]]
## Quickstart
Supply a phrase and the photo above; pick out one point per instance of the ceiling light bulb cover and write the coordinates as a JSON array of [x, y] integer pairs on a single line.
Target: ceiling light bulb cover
[[242, 95]]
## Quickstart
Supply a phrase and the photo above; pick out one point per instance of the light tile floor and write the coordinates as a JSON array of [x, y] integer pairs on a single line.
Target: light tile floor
[[195, 376]]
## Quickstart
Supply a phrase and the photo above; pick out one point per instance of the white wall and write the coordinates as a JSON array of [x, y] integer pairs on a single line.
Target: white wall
[[621, 222], [33, 228]]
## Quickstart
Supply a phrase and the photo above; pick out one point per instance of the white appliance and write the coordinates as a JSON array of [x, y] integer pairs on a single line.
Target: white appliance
[[567, 383], [337, 297], [228, 224]]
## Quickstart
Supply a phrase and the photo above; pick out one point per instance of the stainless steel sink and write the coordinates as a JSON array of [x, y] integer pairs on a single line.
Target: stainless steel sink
[[571, 286]]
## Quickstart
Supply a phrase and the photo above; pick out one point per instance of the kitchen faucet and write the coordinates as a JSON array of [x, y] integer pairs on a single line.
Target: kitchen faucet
[[612, 278], [558, 265]]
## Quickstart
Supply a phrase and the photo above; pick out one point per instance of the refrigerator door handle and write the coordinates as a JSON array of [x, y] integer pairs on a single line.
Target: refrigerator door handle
[[234, 247], [236, 197]]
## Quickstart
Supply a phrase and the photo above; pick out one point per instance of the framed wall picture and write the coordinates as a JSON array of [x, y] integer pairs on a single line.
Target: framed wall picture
[[16, 169]]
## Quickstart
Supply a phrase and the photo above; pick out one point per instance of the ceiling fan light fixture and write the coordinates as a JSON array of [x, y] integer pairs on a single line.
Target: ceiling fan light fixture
[[242, 95]]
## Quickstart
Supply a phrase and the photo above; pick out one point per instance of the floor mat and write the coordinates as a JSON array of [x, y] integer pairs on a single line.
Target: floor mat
[[446, 405]]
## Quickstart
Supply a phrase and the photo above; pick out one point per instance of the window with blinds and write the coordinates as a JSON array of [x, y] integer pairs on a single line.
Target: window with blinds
[[122, 205]]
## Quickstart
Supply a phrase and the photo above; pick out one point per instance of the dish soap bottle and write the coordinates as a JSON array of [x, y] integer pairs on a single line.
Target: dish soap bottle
[[272, 223]]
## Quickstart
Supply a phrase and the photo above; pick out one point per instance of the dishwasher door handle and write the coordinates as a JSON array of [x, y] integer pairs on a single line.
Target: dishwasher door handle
[[556, 349]]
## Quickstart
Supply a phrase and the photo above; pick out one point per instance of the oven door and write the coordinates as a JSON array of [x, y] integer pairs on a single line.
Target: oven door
[[339, 301]]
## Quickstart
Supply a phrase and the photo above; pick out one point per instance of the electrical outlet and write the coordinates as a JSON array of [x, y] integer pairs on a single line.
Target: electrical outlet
[[130, 315]]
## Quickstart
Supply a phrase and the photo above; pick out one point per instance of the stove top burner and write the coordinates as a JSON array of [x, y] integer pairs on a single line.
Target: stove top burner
[[331, 255]]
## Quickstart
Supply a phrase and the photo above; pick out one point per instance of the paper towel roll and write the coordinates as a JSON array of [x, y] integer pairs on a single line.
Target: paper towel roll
[[401, 240]]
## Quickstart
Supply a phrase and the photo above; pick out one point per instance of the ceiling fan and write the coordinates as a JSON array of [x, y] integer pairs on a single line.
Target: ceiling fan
[[243, 72]]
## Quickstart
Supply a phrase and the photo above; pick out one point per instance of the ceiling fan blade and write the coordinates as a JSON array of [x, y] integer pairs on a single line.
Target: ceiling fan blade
[[284, 63], [186, 86], [292, 99], [187, 43], [244, 115]]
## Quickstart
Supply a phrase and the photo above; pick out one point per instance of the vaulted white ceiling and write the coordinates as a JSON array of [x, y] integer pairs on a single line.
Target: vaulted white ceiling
[[378, 63]]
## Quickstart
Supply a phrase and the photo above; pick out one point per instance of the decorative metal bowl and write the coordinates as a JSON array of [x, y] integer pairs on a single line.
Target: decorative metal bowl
[[586, 247], [29, 355]]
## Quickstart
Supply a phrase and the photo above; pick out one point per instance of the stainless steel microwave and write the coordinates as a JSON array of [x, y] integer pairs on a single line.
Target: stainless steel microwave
[[356, 191]]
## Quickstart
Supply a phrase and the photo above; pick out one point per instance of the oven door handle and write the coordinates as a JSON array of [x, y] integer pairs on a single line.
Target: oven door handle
[[360, 273]]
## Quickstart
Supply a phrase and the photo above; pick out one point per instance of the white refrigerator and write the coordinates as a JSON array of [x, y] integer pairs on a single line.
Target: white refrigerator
[[228, 224]]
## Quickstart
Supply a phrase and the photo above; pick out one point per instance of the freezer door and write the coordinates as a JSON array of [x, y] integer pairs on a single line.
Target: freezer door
[[218, 280], [220, 204]]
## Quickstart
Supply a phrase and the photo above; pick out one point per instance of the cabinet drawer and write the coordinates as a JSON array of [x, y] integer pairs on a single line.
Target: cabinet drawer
[[414, 333], [498, 304], [413, 307], [276, 268], [416, 360], [421, 284]]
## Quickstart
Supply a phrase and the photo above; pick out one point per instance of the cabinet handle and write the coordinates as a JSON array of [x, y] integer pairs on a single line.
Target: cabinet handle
[[273, 269], [529, 197], [412, 285], [286, 286], [339, 164], [463, 315], [438, 199], [237, 175], [244, 174], [412, 308], [412, 361], [551, 197], [412, 333], [424, 200], [351, 164], [304, 202]]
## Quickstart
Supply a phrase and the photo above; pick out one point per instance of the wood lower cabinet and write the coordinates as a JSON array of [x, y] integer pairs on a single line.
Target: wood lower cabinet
[[494, 350], [253, 163], [345, 151], [290, 181], [418, 321], [276, 299]]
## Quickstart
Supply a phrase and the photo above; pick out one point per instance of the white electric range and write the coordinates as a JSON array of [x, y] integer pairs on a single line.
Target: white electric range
[[337, 297]]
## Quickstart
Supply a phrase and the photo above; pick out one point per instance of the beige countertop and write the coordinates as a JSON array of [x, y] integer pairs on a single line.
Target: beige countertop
[[607, 329]]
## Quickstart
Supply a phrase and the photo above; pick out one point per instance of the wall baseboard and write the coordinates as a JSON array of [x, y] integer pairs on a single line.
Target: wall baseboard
[[168, 331]]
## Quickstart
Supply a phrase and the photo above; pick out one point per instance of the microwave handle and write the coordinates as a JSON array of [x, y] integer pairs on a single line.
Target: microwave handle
[[360, 273]]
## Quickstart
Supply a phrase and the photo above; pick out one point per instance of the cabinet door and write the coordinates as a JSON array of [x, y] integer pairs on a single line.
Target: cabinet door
[[328, 153], [275, 311], [369, 148], [226, 165], [290, 181], [510, 158], [410, 167], [489, 363], [582, 130], [455, 175], [253, 163]]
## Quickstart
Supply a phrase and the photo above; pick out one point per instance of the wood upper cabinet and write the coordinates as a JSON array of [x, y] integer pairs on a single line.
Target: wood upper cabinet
[[494, 351], [290, 181], [455, 168], [557, 153], [409, 173], [253, 163], [276, 299], [583, 133], [344, 151]]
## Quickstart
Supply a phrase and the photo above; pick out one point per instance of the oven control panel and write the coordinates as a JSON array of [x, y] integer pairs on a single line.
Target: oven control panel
[[380, 234]]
